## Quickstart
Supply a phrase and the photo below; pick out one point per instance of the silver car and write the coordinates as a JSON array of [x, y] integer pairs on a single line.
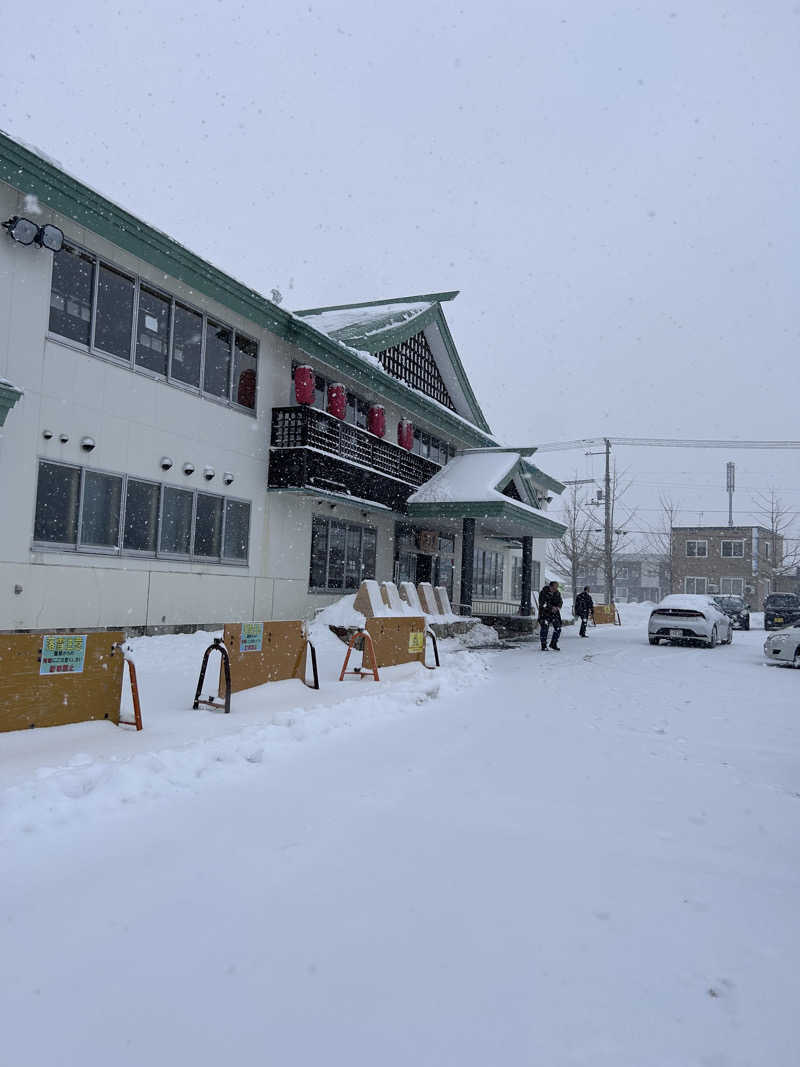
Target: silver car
[[783, 646], [689, 618]]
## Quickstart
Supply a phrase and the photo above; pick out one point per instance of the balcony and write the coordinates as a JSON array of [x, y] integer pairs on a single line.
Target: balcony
[[313, 450]]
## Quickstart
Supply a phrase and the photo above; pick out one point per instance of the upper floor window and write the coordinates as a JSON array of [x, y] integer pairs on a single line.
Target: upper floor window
[[117, 314], [94, 511], [732, 549], [697, 548]]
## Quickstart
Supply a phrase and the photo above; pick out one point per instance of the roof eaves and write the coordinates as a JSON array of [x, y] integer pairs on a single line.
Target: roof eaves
[[28, 172], [424, 298]]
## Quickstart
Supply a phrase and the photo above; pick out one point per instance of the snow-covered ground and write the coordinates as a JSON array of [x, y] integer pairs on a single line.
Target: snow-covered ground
[[580, 859]]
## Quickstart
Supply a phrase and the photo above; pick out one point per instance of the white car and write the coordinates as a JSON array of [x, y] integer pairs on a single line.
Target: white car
[[683, 618], [783, 646]]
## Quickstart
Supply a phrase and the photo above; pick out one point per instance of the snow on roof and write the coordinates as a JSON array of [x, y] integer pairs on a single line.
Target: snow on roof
[[469, 478], [368, 320], [10, 385]]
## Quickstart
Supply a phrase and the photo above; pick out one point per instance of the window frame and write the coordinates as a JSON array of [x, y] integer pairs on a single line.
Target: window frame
[[346, 523], [733, 578], [79, 547], [100, 261], [696, 554], [732, 542], [695, 579]]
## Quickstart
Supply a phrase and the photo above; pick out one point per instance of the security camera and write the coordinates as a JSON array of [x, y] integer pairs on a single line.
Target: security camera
[[227, 478], [208, 473], [88, 444], [188, 468], [166, 463], [47, 434]]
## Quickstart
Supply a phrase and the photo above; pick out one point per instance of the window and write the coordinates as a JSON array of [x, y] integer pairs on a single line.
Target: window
[[766, 549], [93, 303], [732, 549], [516, 577], [152, 331], [245, 362], [101, 510], [695, 585], [622, 572], [208, 526], [187, 346], [114, 315], [487, 580], [176, 521], [83, 509], [237, 530], [342, 554], [697, 548], [412, 362], [731, 586], [71, 294], [57, 504], [141, 516], [218, 359]]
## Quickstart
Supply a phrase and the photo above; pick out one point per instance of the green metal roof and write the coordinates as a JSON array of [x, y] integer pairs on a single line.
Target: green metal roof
[[375, 325], [9, 395], [29, 172], [507, 516]]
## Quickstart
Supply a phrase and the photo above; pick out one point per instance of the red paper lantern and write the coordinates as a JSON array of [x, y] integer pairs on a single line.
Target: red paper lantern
[[376, 420], [337, 400], [405, 434], [304, 385]]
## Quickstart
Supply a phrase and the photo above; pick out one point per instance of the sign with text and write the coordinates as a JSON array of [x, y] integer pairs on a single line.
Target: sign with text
[[63, 654], [251, 638], [416, 641]]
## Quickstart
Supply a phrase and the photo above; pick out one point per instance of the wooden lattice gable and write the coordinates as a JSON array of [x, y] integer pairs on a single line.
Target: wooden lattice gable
[[412, 341]]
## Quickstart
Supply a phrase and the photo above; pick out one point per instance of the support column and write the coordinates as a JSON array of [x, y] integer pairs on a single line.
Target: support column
[[527, 573], [467, 563]]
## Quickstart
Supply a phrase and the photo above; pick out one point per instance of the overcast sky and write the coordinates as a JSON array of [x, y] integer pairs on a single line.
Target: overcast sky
[[613, 187]]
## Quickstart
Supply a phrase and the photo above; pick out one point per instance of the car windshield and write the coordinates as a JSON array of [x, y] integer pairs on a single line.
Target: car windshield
[[732, 603], [787, 600]]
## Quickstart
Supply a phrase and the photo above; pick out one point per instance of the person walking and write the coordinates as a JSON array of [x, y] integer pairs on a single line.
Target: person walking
[[550, 615], [584, 608]]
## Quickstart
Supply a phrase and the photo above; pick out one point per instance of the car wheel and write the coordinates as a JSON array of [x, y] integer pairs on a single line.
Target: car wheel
[[653, 640], [713, 641], [796, 660], [746, 623]]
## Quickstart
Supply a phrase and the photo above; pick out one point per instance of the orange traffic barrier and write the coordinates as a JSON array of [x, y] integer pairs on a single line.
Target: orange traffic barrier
[[360, 672]]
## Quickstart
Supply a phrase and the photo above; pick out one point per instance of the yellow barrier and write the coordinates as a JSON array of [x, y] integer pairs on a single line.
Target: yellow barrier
[[55, 679], [606, 613]]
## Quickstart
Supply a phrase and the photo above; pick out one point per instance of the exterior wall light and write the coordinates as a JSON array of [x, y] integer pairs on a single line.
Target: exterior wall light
[[166, 463], [188, 468], [47, 434], [88, 444], [63, 438], [208, 473], [25, 232], [227, 478]]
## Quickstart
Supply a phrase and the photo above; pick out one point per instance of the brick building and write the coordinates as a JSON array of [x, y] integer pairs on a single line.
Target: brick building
[[730, 560]]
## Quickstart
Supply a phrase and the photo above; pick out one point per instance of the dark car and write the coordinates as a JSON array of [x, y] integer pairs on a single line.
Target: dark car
[[737, 610], [781, 609]]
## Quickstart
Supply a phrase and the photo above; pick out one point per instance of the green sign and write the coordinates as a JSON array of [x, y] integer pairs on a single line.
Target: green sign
[[252, 637], [63, 654]]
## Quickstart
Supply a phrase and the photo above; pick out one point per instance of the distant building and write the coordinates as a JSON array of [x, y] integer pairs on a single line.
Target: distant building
[[639, 577], [730, 560]]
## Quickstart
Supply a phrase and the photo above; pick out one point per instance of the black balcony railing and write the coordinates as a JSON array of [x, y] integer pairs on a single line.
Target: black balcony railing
[[312, 449]]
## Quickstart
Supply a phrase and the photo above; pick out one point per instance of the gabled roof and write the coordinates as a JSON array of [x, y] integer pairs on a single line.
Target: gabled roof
[[376, 325], [474, 484]]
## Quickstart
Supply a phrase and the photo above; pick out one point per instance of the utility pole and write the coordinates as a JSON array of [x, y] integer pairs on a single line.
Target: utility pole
[[609, 532], [731, 485]]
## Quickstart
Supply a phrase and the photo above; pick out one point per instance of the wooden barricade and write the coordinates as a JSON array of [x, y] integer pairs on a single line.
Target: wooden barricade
[[606, 613], [262, 652], [55, 679], [397, 640]]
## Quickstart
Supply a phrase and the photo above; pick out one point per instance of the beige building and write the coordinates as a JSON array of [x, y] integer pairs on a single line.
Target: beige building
[[725, 560]]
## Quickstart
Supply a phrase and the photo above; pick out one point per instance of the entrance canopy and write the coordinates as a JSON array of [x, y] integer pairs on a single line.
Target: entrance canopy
[[500, 489]]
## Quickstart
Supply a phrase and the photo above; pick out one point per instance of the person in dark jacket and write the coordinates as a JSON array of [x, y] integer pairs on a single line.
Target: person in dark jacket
[[584, 608], [550, 615]]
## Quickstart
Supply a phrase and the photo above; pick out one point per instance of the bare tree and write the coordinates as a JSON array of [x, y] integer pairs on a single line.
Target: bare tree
[[620, 517], [778, 519], [579, 547], [659, 539]]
